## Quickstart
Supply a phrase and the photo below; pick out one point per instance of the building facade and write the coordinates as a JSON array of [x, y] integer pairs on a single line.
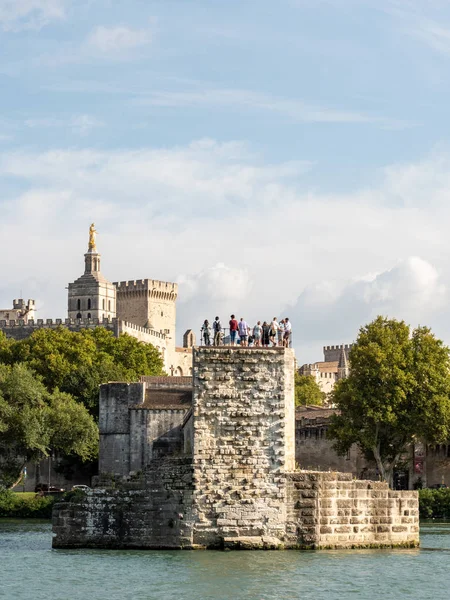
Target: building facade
[[335, 366], [144, 309]]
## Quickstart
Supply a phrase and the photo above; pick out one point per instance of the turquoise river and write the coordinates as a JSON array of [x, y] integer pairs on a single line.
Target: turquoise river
[[31, 570]]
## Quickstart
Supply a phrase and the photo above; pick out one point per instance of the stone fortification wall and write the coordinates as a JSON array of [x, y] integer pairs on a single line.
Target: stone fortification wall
[[332, 353], [331, 510], [131, 433], [243, 422], [20, 329], [153, 511], [240, 488], [114, 425], [154, 433]]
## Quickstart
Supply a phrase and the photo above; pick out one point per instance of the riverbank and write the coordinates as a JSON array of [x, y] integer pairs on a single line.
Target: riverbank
[[25, 505]]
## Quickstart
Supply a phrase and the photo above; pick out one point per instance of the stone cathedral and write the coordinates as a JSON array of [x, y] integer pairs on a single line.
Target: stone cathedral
[[144, 309]]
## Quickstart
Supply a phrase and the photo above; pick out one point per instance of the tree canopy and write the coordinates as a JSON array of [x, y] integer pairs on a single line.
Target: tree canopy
[[78, 362], [398, 391], [34, 421], [307, 390]]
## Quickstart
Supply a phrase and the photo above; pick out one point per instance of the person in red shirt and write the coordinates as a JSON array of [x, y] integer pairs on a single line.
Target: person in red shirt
[[233, 329]]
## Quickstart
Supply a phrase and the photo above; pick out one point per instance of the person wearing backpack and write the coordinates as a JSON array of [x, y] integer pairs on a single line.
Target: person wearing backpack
[[217, 327]]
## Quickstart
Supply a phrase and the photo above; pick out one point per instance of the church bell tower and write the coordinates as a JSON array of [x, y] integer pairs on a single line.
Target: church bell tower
[[92, 296]]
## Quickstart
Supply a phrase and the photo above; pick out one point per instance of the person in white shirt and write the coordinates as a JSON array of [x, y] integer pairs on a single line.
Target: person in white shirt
[[243, 332], [287, 333], [281, 332]]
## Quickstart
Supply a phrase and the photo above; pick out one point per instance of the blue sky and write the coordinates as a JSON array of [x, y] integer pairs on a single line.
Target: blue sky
[[269, 156]]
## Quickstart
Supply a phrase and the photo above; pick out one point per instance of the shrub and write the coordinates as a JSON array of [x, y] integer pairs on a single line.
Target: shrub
[[434, 504], [23, 506]]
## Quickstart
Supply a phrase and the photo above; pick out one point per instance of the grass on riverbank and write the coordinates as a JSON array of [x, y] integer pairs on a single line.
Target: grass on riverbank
[[25, 505]]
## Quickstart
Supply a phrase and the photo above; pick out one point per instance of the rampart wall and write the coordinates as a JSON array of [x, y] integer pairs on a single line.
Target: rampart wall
[[19, 329]]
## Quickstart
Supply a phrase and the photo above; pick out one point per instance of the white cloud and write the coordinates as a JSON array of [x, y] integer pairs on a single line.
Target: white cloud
[[218, 289], [79, 124], [16, 15], [119, 38], [294, 110], [239, 234], [412, 290]]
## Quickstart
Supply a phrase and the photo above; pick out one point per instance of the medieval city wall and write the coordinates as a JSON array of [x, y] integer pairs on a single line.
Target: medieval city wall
[[314, 451], [332, 510], [19, 329], [149, 511]]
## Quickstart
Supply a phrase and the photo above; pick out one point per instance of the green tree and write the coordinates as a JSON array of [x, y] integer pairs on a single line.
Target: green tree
[[34, 422], [398, 390], [78, 362], [307, 391]]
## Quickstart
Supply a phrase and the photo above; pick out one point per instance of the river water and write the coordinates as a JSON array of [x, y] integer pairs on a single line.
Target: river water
[[30, 569]]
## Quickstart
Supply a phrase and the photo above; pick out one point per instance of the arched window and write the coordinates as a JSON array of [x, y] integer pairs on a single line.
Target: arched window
[[109, 305], [89, 304], [79, 314], [89, 315], [104, 302], [78, 305]]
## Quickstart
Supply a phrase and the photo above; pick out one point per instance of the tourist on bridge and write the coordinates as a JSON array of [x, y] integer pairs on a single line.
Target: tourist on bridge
[[265, 334], [206, 332], [217, 328], [233, 330], [281, 332], [274, 331], [243, 331], [257, 333], [287, 333]]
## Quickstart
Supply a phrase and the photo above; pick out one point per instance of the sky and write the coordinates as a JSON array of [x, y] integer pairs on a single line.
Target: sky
[[286, 158]]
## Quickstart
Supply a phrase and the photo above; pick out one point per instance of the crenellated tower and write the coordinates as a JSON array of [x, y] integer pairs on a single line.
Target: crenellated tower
[[92, 296], [149, 303]]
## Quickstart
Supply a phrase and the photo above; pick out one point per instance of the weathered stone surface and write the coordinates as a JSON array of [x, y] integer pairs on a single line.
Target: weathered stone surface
[[239, 489]]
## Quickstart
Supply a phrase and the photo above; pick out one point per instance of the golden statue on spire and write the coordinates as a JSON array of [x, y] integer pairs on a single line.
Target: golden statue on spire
[[92, 234]]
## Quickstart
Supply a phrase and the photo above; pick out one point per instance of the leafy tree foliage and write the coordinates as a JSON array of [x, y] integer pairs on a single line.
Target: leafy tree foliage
[[398, 390], [307, 390], [78, 362], [34, 421]]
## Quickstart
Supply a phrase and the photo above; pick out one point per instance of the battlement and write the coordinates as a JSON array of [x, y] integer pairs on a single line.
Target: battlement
[[19, 329], [126, 325], [345, 346], [19, 303], [152, 287], [332, 353], [54, 323]]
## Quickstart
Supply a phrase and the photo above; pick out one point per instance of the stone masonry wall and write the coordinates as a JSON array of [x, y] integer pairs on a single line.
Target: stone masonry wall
[[243, 420], [331, 510], [126, 515]]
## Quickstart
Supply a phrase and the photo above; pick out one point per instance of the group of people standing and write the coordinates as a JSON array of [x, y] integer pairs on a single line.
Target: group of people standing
[[263, 335]]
